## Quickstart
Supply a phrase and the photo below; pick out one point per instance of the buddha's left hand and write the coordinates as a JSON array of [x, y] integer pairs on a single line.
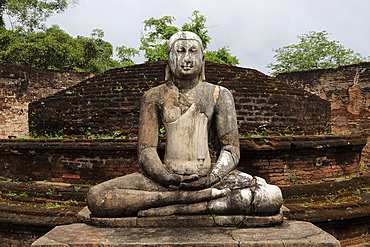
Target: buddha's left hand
[[201, 183]]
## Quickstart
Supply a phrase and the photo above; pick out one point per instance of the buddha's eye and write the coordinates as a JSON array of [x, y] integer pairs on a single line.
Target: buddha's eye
[[193, 49], [181, 49]]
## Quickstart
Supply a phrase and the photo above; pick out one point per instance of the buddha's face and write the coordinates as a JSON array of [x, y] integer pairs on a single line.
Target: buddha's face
[[186, 59]]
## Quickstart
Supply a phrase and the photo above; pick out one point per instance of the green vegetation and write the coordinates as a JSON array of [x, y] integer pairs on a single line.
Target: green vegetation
[[29, 43], [125, 55], [159, 31], [31, 14], [340, 197], [55, 49], [265, 130], [30, 195], [314, 51], [293, 176], [84, 134]]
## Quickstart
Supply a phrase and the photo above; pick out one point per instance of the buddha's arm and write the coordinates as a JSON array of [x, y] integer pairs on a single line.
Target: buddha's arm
[[228, 135], [147, 146]]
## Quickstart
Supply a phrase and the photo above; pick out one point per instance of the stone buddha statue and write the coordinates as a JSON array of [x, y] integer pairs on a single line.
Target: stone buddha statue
[[188, 180]]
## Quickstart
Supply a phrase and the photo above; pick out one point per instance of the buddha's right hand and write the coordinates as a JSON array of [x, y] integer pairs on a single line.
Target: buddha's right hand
[[188, 178], [176, 179]]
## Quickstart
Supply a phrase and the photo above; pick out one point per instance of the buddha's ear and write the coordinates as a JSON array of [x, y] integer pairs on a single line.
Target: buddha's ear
[[202, 76], [167, 74]]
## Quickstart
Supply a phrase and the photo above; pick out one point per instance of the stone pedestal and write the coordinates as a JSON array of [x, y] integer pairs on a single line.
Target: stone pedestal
[[240, 221], [290, 233]]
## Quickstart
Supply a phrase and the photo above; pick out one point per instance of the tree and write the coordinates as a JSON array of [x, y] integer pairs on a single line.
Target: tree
[[221, 56], [154, 43], [125, 55], [197, 25], [55, 49], [97, 52], [159, 31], [314, 51], [31, 13]]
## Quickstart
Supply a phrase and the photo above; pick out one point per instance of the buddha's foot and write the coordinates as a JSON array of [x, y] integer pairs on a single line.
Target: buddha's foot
[[216, 193]]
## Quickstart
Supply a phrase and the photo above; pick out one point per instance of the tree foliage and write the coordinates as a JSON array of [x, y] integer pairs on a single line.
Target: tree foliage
[[314, 51], [55, 49], [221, 56], [197, 25], [31, 14], [154, 43], [125, 55], [159, 31]]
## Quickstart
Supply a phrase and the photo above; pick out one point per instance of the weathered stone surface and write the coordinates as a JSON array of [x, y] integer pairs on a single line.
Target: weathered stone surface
[[45, 241], [176, 221], [230, 220], [347, 89], [291, 233], [244, 221]]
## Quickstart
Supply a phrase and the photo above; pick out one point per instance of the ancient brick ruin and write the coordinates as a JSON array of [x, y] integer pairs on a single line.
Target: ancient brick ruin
[[278, 159], [347, 88], [110, 102], [290, 153], [21, 85]]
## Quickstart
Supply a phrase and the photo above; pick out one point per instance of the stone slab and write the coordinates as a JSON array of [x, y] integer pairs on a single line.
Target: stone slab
[[290, 233], [243, 221]]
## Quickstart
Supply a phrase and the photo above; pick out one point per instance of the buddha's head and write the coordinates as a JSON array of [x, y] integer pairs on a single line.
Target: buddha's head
[[185, 56]]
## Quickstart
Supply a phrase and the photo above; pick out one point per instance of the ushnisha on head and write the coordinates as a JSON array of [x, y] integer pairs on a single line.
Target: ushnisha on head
[[185, 56]]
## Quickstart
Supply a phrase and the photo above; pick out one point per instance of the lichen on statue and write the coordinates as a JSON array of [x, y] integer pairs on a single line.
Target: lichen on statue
[[187, 181]]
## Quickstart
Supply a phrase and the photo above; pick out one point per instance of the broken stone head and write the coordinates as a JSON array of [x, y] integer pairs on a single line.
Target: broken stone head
[[188, 180]]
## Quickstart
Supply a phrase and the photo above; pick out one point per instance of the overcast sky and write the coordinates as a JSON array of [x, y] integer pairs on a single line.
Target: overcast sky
[[251, 28]]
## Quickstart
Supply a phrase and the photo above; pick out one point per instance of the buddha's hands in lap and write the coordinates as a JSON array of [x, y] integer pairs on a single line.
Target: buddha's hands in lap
[[176, 179], [202, 182]]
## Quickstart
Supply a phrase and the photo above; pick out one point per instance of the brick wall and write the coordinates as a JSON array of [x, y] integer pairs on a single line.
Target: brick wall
[[296, 159], [21, 85], [110, 102], [77, 161], [93, 161], [347, 88], [19, 235]]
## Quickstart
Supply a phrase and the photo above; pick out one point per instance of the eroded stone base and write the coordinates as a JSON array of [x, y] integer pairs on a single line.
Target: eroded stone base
[[242, 221], [290, 233]]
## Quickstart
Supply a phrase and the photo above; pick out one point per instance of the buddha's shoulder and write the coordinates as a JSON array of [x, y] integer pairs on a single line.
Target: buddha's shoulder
[[157, 93], [218, 90]]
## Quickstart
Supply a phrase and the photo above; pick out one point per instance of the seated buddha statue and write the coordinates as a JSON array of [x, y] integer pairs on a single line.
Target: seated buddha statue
[[188, 180]]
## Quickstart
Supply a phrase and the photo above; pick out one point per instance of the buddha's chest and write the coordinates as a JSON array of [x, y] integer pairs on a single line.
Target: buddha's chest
[[187, 143], [175, 108]]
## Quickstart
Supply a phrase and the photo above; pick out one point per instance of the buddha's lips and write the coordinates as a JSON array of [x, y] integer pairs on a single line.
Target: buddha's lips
[[187, 67]]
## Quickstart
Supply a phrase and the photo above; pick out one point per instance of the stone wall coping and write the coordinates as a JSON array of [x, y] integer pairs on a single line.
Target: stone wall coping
[[84, 144], [301, 142], [324, 69], [266, 143]]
